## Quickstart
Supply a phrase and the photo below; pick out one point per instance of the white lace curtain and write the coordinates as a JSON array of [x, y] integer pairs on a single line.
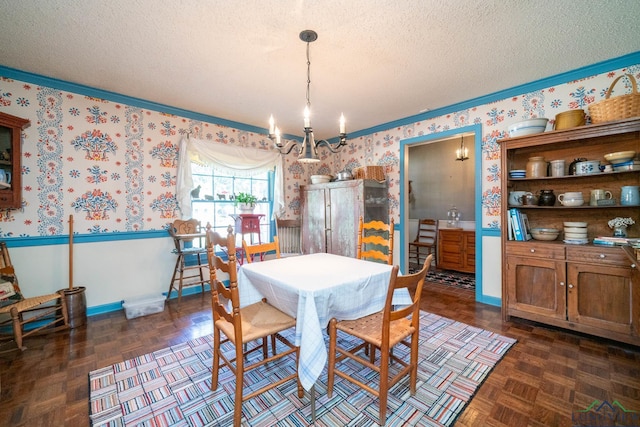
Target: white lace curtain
[[228, 159]]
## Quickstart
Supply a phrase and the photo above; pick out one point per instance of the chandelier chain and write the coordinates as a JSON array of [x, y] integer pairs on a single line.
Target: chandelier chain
[[307, 151], [308, 78]]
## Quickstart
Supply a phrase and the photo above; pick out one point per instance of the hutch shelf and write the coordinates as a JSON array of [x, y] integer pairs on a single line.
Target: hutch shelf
[[587, 288], [10, 156]]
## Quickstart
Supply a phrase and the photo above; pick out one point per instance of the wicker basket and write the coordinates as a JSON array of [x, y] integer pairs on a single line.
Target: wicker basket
[[620, 107], [369, 172]]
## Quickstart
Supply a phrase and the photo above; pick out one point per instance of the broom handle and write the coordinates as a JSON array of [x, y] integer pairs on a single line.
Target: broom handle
[[70, 252]]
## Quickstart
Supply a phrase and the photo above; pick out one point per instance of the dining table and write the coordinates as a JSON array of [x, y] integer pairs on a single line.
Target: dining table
[[314, 288]]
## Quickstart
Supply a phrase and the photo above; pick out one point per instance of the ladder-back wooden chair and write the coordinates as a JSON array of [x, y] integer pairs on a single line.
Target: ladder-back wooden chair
[[425, 242], [383, 331], [191, 263], [260, 250], [288, 232], [375, 241], [241, 326], [39, 313]]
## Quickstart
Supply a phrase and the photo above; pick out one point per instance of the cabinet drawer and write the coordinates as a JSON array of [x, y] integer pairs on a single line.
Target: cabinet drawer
[[249, 225], [609, 256], [536, 250]]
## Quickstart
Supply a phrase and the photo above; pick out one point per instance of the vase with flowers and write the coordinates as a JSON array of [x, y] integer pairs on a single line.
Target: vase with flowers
[[620, 225]]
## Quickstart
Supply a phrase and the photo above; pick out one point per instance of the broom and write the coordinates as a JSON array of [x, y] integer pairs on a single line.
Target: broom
[[70, 252], [76, 299]]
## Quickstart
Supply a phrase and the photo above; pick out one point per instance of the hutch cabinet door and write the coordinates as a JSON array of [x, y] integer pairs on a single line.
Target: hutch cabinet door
[[345, 208], [536, 286], [314, 220], [600, 296]]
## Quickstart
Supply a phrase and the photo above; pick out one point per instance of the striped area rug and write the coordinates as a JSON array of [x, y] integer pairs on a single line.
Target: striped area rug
[[170, 387]]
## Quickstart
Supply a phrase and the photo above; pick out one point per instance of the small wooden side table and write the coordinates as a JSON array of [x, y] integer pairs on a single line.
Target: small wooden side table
[[247, 224]]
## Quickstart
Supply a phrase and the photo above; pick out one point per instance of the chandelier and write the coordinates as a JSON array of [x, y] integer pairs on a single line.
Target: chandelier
[[462, 153], [308, 149]]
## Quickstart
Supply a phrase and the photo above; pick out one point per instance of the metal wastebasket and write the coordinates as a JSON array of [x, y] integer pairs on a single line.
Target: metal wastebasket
[[76, 306]]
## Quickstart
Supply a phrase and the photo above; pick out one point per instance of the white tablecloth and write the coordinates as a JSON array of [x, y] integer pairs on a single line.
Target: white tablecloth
[[315, 288]]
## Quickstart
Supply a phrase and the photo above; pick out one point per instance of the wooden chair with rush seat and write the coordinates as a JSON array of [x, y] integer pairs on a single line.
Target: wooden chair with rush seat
[[43, 313], [375, 241], [383, 331], [243, 325]]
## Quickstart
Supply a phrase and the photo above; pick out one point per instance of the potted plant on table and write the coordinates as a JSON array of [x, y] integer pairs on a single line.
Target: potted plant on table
[[246, 201]]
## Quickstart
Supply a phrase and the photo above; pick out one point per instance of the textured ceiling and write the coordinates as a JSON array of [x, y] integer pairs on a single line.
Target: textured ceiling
[[375, 60]]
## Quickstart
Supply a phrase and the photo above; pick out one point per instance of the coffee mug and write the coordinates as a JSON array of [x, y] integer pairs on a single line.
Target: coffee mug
[[515, 197], [630, 195], [598, 195]]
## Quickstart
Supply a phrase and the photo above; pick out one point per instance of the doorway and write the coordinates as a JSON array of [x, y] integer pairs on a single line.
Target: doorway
[[439, 181]]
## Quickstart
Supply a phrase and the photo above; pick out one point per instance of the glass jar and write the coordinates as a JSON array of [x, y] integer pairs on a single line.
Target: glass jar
[[453, 217], [536, 167]]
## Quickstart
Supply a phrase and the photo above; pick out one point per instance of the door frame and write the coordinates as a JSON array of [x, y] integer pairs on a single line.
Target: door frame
[[405, 144]]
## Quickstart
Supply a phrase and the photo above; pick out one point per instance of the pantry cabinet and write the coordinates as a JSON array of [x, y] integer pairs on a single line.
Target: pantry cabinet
[[587, 288], [331, 211]]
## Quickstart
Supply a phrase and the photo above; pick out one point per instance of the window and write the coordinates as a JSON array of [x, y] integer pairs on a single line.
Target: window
[[215, 203]]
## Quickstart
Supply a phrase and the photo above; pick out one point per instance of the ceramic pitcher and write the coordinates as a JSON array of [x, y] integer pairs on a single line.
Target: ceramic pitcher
[[630, 195]]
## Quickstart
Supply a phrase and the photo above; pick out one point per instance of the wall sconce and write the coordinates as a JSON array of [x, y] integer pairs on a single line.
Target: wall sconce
[[462, 153]]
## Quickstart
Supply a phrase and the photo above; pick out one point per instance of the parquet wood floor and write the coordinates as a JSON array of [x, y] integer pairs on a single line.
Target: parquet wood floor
[[543, 379]]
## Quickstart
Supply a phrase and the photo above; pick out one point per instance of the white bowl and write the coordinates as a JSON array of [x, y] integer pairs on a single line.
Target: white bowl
[[320, 179], [575, 224], [575, 236], [619, 157], [545, 233], [576, 230], [528, 127], [572, 202]]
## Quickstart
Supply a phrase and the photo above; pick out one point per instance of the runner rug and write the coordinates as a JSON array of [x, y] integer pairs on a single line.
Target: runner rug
[[170, 387], [452, 278]]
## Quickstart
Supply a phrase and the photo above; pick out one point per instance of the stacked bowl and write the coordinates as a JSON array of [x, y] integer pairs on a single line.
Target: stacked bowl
[[517, 173], [622, 161], [575, 233]]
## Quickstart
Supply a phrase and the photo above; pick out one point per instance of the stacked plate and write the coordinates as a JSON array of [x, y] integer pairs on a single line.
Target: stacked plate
[[517, 173], [575, 233]]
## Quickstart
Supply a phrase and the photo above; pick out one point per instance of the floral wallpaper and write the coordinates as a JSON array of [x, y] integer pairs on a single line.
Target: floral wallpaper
[[382, 148], [113, 166]]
